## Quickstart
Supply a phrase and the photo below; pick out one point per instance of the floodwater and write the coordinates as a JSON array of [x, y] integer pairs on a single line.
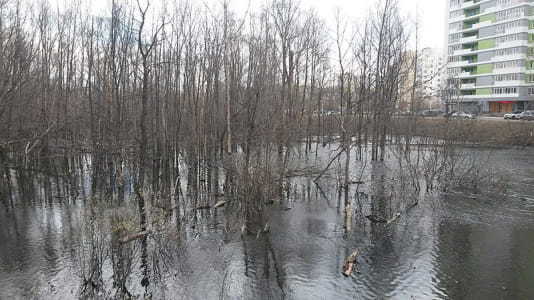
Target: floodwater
[[450, 246]]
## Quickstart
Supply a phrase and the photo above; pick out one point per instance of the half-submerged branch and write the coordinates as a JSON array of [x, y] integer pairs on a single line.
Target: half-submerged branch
[[134, 236], [350, 262]]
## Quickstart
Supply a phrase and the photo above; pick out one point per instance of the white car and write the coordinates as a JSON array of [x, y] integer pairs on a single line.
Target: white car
[[527, 115], [516, 115], [462, 115]]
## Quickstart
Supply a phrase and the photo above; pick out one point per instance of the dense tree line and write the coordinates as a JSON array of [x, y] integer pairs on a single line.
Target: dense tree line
[[142, 89]]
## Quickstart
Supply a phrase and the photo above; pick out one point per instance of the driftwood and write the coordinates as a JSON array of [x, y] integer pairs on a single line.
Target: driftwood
[[165, 208], [412, 205], [395, 217], [219, 204], [376, 219], [134, 236], [348, 266], [265, 229]]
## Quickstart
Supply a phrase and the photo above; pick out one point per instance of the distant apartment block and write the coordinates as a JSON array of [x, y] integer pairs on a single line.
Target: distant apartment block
[[430, 68], [490, 58]]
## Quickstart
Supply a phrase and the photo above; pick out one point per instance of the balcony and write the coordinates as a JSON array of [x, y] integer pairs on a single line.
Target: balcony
[[461, 63], [516, 56], [455, 64], [463, 51], [468, 62], [504, 95], [468, 3], [456, 19], [488, 10], [474, 96], [490, 96], [472, 13], [468, 39], [481, 24], [468, 86], [465, 74], [509, 70], [509, 83], [517, 43], [518, 29]]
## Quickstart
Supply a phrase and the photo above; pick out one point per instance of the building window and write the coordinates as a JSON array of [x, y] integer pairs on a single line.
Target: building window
[[455, 37], [531, 90], [503, 28], [507, 77], [511, 13], [455, 3], [511, 38], [507, 3], [505, 90], [510, 64], [457, 26], [456, 14], [508, 51]]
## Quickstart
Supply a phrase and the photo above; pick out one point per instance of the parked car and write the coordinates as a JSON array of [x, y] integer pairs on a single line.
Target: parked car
[[431, 113], [462, 115], [527, 115], [513, 115]]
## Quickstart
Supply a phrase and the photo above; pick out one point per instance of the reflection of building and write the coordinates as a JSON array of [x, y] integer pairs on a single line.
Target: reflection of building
[[491, 54]]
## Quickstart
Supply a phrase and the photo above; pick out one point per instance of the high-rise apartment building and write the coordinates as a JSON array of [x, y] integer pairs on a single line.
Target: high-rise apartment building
[[490, 61]]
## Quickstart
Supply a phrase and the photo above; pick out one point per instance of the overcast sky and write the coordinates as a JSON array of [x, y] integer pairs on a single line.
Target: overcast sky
[[431, 13]]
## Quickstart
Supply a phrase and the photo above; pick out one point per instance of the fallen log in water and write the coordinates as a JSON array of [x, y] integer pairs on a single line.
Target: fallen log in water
[[395, 217], [134, 236], [203, 207], [376, 219], [348, 266], [165, 208], [219, 204]]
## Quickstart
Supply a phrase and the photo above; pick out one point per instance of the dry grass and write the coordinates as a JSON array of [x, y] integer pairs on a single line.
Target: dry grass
[[482, 132]]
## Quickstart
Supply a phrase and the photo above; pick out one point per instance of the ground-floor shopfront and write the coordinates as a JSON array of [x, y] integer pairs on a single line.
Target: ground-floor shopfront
[[510, 106], [502, 106], [493, 106]]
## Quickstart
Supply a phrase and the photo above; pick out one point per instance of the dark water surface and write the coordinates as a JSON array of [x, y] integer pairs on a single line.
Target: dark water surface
[[450, 246]]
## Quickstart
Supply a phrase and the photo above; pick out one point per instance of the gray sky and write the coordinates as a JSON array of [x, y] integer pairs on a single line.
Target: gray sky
[[431, 13]]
